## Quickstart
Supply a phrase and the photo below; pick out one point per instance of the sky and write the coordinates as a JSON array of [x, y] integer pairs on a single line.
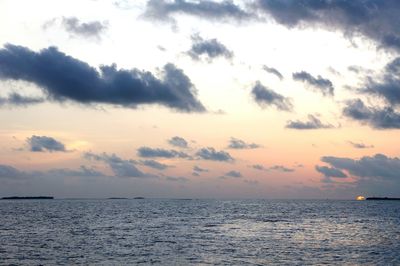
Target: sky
[[200, 99]]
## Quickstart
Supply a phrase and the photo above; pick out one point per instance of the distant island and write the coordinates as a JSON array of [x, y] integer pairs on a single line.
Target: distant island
[[117, 198], [382, 198], [26, 198]]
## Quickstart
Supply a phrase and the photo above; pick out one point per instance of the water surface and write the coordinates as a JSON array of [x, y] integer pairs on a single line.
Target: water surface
[[183, 232]]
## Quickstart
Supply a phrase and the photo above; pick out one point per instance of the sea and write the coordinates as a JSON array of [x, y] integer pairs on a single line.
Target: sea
[[199, 232]]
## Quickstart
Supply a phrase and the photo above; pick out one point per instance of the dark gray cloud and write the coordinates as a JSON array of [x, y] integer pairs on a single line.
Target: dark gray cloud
[[211, 154], [281, 168], [312, 123], [62, 78], [330, 171], [10, 172], [208, 49], [377, 166], [44, 143], [179, 179], [163, 10], [259, 167], [119, 166], [381, 118], [389, 87], [154, 164], [148, 152], [323, 85], [235, 174], [199, 169], [178, 142], [377, 20], [86, 29], [356, 109], [273, 71], [358, 145], [235, 143], [376, 175], [83, 171], [266, 97], [15, 99]]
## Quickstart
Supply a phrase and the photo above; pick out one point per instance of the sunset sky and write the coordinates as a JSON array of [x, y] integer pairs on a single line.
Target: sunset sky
[[200, 99]]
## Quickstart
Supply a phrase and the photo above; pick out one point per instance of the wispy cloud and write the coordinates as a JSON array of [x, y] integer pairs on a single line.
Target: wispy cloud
[[239, 144], [312, 123], [211, 154], [148, 152], [178, 142], [208, 49], [273, 71], [322, 85], [266, 97]]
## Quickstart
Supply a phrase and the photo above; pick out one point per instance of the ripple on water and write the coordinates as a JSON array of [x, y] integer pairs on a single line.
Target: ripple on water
[[173, 232]]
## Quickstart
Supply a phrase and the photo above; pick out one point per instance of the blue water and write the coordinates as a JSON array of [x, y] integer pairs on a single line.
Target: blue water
[[184, 232]]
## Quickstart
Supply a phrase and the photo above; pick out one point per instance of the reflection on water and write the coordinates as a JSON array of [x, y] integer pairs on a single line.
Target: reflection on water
[[186, 232]]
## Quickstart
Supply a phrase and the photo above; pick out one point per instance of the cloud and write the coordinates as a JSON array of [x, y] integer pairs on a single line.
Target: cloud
[[234, 174], [377, 166], [235, 143], [266, 97], [63, 77], [119, 166], [360, 145], [163, 10], [376, 20], [199, 169], [10, 172], [211, 154], [380, 118], [281, 168], [251, 182], [259, 167], [15, 99], [178, 142], [273, 71], [44, 143], [208, 49], [92, 29], [148, 152], [323, 85], [355, 69], [389, 87], [154, 164], [376, 175], [330, 171], [179, 179], [312, 123], [83, 171]]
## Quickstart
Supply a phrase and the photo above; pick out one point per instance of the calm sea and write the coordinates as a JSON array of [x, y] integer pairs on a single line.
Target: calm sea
[[199, 232]]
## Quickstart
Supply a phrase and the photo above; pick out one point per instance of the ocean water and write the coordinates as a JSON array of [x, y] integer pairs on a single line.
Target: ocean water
[[199, 232]]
